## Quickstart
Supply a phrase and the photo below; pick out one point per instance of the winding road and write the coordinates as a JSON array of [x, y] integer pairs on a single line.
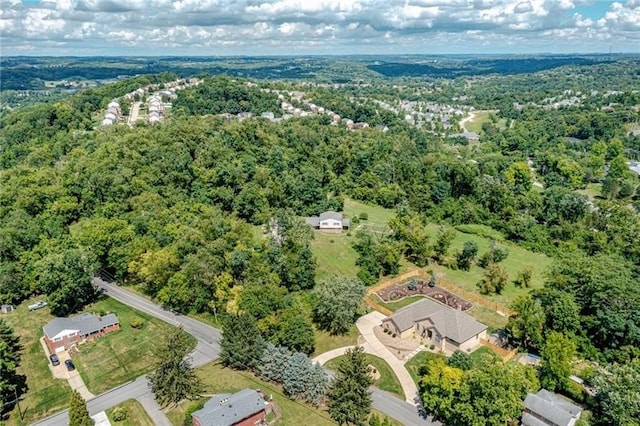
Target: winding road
[[207, 349]]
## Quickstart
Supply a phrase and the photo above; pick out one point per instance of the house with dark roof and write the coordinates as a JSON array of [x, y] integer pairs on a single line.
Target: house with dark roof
[[62, 333], [438, 324], [547, 408], [244, 408], [328, 221]]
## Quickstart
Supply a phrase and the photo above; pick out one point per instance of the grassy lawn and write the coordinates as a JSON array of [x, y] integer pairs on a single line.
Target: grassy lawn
[[394, 306], [414, 364], [334, 254], [480, 118], [518, 259], [218, 379], [333, 251], [45, 394], [326, 342], [479, 353], [387, 381], [136, 414], [121, 356], [488, 316]]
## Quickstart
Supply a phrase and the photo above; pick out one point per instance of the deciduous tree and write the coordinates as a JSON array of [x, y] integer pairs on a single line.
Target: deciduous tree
[[337, 300]]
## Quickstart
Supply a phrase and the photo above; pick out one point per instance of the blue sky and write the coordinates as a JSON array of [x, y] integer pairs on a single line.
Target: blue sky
[[265, 27]]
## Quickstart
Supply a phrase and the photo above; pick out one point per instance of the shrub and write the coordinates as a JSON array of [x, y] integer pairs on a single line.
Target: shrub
[[432, 346], [393, 335], [363, 216], [192, 408], [120, 414], [137, 323]]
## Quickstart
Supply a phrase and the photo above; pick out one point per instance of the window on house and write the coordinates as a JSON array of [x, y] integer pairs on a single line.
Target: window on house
[[57, 339]]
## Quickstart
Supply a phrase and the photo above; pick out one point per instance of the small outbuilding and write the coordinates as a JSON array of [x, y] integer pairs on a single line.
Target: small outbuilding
[[547, 408], [5, 309]]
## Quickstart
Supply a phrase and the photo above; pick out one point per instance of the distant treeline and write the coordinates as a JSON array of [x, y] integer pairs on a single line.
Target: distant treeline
[[481, 67]]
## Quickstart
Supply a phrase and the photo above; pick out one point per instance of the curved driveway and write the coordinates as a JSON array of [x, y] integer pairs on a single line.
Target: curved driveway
[[208, 349]]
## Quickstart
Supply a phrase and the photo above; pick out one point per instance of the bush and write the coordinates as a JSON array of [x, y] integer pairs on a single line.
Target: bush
[[120, 414], [432, 346], [481, 230], [137, 323], [393, 335], [363, 216], [192, 408]]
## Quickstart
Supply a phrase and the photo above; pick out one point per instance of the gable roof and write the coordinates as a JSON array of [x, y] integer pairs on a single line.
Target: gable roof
[[548, 408], [83, 324], [330, 215], [449, 322], [227, 410]]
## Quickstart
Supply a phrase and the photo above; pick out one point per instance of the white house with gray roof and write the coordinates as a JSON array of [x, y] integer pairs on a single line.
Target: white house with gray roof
[[328, 221], [62, 333], [446, 328], [547, 408], [246, 407]]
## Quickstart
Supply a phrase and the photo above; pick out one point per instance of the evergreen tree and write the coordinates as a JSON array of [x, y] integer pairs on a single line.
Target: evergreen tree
[[174, 379], [318, 385], [241, 344], [349, 395], [78, 413], [274, 361], [296, 375], [10, 381]]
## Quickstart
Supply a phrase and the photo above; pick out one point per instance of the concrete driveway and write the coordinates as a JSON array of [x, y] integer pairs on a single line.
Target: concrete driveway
[[60, 372], [365, 325]]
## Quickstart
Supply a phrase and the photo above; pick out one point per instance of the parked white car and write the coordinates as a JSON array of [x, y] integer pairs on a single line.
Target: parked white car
[[39, 304]]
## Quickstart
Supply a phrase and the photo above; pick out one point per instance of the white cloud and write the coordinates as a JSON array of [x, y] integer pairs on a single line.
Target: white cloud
[[322, 26]]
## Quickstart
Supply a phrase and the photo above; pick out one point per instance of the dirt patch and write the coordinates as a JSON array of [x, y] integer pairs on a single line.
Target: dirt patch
[[417, 286]]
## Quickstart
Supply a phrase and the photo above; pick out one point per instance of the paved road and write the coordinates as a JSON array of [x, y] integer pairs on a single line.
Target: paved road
[[207, 349]]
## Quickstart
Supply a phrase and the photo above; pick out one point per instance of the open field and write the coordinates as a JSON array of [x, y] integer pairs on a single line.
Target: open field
[[121, 356], [45, 395], [518, 259], [387, 381], [333, 251], [218, 379], [136, 414]]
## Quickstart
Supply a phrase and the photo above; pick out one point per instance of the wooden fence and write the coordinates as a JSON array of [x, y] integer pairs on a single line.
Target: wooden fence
[[506, 355], [421, 273], [501, 309]]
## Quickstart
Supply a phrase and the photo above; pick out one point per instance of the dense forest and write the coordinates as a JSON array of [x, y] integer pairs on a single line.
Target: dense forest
[[174, 208]]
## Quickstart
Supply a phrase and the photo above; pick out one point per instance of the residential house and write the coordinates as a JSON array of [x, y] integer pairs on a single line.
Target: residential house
[[62, 333], [446, 328], [547, 408], [244, 408], [328, 221]]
